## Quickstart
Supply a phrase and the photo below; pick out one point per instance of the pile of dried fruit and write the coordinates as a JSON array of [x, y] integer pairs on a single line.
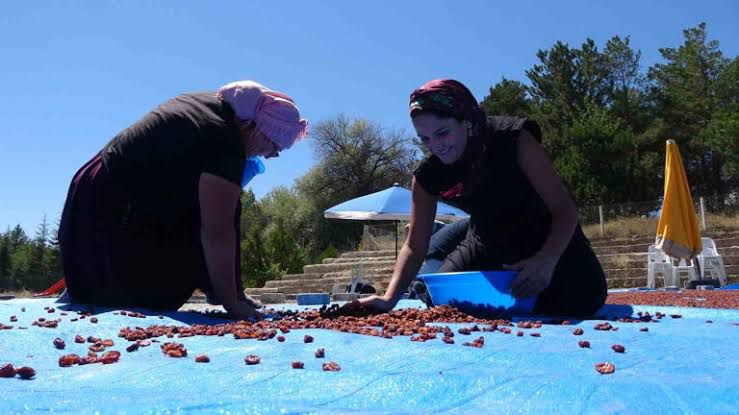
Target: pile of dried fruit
[[685, 298], [416, 324]]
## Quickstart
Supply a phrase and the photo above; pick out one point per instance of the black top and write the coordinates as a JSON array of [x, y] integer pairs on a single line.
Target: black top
[[508, 218], [157, 162]]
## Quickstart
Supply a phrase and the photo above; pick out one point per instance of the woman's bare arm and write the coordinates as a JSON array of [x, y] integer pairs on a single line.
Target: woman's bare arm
[[413, 252], [218, 198], [539, 169]]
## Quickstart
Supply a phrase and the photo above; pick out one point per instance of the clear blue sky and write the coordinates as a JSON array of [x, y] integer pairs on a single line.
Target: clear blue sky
[[74, 73]]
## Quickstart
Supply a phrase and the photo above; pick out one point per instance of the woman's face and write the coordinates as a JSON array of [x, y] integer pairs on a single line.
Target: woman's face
[[257, 144], [445, 137]]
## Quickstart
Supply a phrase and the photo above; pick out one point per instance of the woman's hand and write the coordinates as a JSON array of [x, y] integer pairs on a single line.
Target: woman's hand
[[373, 302], [243, 310], [251, 301], [534, 275]]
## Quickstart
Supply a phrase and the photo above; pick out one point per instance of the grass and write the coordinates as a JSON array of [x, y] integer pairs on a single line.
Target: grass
[[623, 228], [635, 227], [722, 222], [23, 293]]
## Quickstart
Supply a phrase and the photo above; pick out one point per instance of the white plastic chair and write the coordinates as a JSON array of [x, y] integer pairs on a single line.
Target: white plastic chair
[[659, 264], [710, 261], [685, 268]]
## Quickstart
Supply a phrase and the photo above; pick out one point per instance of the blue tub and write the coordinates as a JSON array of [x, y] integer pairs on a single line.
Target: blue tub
[[485, 291]]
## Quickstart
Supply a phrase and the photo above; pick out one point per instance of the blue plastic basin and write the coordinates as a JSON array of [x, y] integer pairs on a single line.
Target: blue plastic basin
[[485, 290]]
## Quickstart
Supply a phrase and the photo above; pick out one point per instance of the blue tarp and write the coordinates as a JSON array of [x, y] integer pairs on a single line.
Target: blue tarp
[[679, 366]]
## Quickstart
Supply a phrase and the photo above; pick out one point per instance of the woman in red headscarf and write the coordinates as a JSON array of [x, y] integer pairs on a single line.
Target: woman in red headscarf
[[521, 216], [155, 214]]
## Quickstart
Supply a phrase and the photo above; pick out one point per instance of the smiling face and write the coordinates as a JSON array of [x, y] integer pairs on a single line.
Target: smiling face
[[445, 137]]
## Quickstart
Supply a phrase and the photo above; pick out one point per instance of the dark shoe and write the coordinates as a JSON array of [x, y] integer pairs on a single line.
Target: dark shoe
[[421, 292]]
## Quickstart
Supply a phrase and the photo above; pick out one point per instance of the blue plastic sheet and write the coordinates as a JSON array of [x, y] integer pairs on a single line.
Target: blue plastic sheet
[[679, 366]]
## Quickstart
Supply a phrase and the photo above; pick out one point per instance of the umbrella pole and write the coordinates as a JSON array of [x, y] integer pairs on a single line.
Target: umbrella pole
[[697, 266], [396, 239]]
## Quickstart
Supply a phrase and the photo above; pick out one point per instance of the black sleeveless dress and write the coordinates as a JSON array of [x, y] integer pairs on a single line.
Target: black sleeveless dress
[[130, 229], [510, 222]]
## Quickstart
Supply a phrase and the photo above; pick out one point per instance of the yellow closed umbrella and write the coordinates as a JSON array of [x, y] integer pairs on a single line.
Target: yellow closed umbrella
[[678, 234]]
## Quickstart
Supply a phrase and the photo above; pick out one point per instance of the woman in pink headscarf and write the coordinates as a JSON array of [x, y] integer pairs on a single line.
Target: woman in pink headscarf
[[155, 214]]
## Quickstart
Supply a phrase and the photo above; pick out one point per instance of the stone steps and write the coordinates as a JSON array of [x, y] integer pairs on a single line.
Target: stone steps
[[356, 260], [362, 254], [307, 276], [616, 273], [640, 260], [637, 282], [279, 286], [324, 286], [259, 291], [623, 260], [643, 247], [378, 272], [649, 239], [368, 266]]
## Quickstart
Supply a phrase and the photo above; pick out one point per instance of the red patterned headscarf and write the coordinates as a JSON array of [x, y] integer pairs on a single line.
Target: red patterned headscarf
[[447, 97]]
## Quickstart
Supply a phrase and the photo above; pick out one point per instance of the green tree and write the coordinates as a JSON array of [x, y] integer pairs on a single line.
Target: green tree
[[5, 277], [255, 266], [628, 84], [599, 165], [254, 260], [284, 238], [695, 92], [252, 215], [53, 261], [38, 274], [507, 97], [355, 157], [564, 84], [17, 237], [360, 157], [284, 251]]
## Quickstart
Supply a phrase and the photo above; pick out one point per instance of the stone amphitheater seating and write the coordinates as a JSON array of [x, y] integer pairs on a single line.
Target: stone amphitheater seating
[[624, 261]]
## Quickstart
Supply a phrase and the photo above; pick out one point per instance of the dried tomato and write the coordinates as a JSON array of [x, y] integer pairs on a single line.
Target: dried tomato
[[605, 368], [69, 360], [7, 371], [110, 357], [25, 372], [331, 367]]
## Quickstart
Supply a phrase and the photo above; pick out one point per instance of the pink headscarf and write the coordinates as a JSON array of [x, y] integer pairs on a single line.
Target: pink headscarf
[[275, 113]]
